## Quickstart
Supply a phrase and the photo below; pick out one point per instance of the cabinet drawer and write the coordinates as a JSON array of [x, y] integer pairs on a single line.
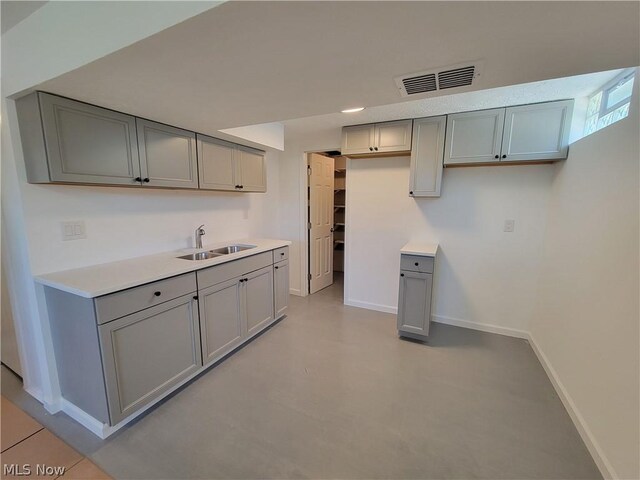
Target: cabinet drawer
[[226, 271], [280, 254], [116, 305], [416, 263]]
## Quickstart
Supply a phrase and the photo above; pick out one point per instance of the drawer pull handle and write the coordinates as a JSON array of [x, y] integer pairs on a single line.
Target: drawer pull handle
[[157, 294]]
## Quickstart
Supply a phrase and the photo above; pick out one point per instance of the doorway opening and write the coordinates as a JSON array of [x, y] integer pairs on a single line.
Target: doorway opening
[[326, 227]]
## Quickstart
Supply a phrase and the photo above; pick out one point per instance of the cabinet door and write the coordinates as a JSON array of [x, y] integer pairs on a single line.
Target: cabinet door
[[147, 353], [216, 164], [393, 136], [537, 132], [414, 303], [358, 139], [251, 171], [281, 287], [167, 155], [474, 137], [258, 299], [220, 319], [427, 156], [88, 144]]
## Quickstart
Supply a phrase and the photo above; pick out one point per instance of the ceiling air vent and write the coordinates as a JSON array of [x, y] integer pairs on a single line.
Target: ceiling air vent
[[456, 76]]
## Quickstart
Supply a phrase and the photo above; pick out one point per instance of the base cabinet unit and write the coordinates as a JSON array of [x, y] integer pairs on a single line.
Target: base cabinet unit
[[281, 287], [524, 133], [148, 352], [376, 138], [414, 298], [119, 353], [425, 174]]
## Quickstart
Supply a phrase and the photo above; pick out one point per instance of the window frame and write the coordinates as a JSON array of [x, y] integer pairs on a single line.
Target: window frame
[[609, 87]]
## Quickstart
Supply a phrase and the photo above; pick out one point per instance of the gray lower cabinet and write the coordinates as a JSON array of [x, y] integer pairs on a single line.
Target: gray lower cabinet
[[120, 352], [148, 352], [221, 324], [72, 142], [414, 298], [281, 287], [167, 155]]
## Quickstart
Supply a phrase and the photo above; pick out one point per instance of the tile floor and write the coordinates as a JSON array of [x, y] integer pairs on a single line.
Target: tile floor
[[331, 392], [29, 450]]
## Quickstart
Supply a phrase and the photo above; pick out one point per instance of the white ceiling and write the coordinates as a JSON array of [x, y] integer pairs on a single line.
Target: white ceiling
[[245, 63], [546, 90], [13, 12]]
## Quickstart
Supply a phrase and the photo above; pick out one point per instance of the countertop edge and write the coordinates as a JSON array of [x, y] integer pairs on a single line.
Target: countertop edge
[[45, 280]]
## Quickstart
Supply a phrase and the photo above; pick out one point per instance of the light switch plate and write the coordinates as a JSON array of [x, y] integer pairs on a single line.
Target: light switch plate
[[73, 230], [509, 226]]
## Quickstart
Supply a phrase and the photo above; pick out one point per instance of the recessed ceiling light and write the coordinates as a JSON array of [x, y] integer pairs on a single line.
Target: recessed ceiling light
[[353, 110]]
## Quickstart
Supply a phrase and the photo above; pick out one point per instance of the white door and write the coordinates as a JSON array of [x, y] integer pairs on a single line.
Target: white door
[[321, 222]]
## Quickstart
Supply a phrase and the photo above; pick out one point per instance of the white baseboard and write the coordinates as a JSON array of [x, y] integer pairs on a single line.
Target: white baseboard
[[483, 327], [371, 306], [605, 467], [295, 291], [83, 418]]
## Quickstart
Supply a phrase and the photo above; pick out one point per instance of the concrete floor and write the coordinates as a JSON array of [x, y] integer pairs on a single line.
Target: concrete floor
[[331, 392]]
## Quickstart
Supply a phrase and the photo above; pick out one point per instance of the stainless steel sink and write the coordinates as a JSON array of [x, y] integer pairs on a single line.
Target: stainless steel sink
[[217, 252]]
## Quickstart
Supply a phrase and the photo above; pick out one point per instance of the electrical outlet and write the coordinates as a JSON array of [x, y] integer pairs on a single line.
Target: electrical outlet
[[509, 226], [73, 230]]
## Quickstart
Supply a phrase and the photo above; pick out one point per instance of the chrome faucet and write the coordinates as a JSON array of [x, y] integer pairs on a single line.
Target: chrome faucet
[[199, 233]]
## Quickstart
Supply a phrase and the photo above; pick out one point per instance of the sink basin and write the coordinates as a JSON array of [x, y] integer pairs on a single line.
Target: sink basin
[[217, 252], [231, 249]]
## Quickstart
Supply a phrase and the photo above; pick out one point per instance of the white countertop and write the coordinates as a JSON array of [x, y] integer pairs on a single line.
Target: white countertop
[[420, 248], [111, 277]]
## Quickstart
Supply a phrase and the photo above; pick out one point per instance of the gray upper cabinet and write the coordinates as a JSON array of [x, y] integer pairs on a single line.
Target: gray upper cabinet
[[167, 155], [474, 137], [393, 136], [537, 132], [72, 142], [251, 170], [387, 137], [427, 153], [147, 353], [227, 166], [221, 326]]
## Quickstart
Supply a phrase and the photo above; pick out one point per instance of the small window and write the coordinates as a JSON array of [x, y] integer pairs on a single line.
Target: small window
[[610, 104]]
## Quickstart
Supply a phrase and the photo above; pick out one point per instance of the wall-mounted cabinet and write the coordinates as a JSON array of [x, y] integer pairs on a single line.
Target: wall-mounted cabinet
[[167, 155], [66, 141], [537, 132], [227, 166], [425, 174], [377, 138]]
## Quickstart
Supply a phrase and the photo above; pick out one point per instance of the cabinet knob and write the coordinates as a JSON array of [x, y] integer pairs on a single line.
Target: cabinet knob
[[157, 294], [402, 274], [410, 193], [282, 253], [375, 148], [137, 179], [195, 297], [275, 268], [237, 186], [416, 264], [371, 149], [241, 186], [146, 180], [497, 156], [504, 156]]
